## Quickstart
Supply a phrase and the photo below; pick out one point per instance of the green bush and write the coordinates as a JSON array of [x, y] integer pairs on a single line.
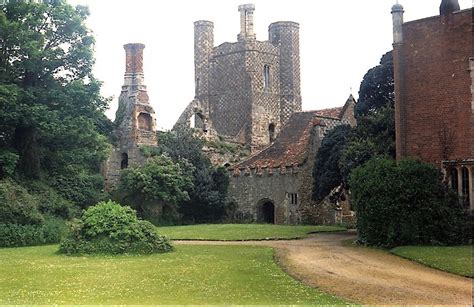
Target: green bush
[[109, 228], [405, 203], [14, 235], [50, 202], [17, 206]]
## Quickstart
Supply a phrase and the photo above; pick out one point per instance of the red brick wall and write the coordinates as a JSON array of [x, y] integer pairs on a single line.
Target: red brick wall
[[433, 89]]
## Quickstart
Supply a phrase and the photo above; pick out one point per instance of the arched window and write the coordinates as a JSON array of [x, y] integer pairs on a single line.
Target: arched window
[[124, 162], [454, 179], [145, 121], [266, 76], [271, 132]]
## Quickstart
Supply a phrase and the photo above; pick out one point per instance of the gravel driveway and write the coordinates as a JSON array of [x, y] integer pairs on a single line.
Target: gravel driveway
[[363, 275]]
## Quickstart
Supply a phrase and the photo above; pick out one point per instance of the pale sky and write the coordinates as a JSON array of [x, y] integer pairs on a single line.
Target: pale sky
[[339, 41]]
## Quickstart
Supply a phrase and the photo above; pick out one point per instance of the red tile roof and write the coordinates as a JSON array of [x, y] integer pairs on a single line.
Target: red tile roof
[[291, 146], [332, 112]]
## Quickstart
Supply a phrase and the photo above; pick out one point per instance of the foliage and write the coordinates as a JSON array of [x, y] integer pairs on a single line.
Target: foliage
[[51, 112], [326, 171], [17, 206], [8, 161], [50, 203], [403, 204], [453, 259], [109, 228], [208, 201], [373, 136], [159, 182], [242, 232], [377, 88], [14, 235]]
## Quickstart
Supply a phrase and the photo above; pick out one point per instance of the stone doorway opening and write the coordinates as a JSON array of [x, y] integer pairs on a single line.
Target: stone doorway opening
[[266, 212]]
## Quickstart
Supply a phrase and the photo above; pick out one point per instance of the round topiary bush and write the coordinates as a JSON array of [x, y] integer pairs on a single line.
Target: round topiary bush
[[109, 228]]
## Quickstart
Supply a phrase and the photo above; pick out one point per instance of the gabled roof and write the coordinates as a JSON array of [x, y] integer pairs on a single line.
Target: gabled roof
[[291, 146]]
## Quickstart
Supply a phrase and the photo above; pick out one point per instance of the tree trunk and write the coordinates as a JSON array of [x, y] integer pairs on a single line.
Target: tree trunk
[[26, 143]]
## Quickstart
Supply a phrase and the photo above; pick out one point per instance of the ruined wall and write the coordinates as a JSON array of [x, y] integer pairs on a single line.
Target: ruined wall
[[433, 88], [134, 119]]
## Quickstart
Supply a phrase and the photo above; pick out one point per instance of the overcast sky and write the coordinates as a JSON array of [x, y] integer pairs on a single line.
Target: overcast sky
[[339, 41]]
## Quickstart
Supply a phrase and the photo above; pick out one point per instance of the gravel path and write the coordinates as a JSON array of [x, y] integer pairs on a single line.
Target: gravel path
[[363, 275]]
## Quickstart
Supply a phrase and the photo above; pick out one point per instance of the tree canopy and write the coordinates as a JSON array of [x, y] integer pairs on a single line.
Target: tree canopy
[[52, 123]]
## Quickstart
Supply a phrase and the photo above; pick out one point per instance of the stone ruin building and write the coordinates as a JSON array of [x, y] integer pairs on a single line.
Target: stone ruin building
[[276, 184], [245, 91], [134, 119], [248, 92], [434, 92]]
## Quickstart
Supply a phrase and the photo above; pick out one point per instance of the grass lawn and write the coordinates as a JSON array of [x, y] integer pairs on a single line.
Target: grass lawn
[[189, 275], [453, 259], [242, 232]]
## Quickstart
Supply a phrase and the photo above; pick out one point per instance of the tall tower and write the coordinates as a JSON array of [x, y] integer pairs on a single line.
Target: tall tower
[[134, 119], [285, 35], [203, 44]]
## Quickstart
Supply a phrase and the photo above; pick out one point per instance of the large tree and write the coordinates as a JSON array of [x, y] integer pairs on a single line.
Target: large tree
[[377, 88], [51, 110]]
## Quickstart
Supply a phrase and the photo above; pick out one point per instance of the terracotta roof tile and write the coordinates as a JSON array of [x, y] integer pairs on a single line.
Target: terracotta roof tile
[[290, 147], [332, 112]]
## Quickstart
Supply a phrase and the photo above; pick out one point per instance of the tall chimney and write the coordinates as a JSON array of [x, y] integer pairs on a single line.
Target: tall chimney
[[246, 22], [134, 64], [448, 6]]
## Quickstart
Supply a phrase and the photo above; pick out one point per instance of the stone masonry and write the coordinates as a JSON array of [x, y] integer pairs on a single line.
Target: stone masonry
[[245, 91], [134, 119], [434, 92], [275, 185]]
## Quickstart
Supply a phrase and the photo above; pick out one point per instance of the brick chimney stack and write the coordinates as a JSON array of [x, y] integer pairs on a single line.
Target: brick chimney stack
[[448, 6], [246, 22], [134, 65]]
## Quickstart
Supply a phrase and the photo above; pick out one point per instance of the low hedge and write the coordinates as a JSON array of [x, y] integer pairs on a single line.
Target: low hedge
[[14, 235]]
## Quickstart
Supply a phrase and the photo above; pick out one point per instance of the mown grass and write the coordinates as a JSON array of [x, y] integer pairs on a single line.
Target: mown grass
[[242, 232], [453, 259], [190, 275]]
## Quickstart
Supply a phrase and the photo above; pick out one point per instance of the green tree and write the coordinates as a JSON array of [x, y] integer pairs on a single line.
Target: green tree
[[377, 88], [405, 203], [208, 201], [160, 182], [51, 110], [326, 172]]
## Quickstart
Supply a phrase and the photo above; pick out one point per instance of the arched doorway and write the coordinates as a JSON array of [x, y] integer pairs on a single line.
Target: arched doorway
[[124, 162], [266, 212]]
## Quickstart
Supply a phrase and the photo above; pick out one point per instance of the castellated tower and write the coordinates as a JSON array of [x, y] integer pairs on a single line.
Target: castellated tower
[[134, 119], [246, 90]]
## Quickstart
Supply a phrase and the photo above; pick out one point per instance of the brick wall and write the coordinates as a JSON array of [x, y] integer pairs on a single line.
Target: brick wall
[[432, 81]]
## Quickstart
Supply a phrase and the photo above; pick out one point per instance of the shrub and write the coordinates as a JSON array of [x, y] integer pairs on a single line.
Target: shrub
[[14, 235], [17, 206], [405, 203], [50, 202], [109, 228]]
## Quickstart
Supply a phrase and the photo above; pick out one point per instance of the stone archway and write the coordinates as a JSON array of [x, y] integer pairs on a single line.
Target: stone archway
[[266, 212]]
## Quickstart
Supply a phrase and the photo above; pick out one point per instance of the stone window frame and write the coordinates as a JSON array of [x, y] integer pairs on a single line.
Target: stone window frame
[[293, 198], [266, 77]]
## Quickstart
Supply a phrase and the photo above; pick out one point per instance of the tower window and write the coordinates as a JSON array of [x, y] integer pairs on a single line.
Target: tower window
[[271, 132], [145, 122], [124, 162], [454, 179], [266, 76]]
